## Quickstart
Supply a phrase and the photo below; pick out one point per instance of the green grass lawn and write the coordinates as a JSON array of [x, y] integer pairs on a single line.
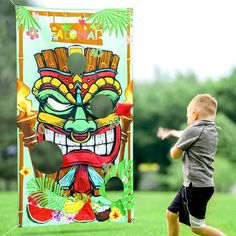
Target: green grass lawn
[[149, 218]]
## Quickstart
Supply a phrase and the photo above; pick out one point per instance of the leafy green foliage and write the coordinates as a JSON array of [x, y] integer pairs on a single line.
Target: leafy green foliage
[[173, 179], [225, 174], [7, 78], [227, 138], [125, 172], [226, 94], [8, 169], [119, 204], [47, 193], [160, 103], [25, 18], [112, 20]]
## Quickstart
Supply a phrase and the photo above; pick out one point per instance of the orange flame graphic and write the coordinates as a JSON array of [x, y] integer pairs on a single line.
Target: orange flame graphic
[[123, 109], [129, 93], [24, 105]]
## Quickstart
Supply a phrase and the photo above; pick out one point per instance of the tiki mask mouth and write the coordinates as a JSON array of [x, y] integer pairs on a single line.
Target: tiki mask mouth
[[101, 143], [102, 147]]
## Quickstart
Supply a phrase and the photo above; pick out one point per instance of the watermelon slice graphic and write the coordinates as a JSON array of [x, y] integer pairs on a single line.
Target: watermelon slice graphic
[[32, 201], [86, 214], [39, 215]]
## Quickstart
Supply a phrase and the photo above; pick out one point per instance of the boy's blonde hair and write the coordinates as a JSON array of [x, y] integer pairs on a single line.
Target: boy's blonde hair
[[205, 104]]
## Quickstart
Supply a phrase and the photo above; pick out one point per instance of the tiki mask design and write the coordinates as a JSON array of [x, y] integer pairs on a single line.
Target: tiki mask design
[[66, 117], [74, 93]]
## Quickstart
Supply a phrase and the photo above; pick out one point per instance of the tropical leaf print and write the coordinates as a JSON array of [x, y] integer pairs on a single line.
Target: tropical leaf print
[[47, 193], [25, 18], [125, 173], [112, 20]]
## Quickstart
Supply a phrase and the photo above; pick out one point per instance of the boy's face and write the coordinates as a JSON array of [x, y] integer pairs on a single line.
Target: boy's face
[[192, 114]]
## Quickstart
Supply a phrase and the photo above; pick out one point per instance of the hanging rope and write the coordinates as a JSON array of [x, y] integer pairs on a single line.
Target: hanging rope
[[13, 228], [13, 3]]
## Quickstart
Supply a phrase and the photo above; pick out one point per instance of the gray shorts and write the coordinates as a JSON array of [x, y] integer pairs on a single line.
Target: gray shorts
[[191, 203]]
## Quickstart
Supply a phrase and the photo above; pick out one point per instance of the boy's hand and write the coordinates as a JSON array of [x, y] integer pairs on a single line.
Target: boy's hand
[[163, 133]]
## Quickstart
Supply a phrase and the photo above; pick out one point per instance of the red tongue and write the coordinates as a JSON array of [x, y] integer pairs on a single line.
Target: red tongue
[[81, 181]]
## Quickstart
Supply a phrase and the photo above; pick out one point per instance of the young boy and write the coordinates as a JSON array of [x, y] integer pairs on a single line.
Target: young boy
[[198, 144]]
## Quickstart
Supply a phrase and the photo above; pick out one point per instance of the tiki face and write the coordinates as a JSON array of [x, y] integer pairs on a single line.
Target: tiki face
[[67, 118]]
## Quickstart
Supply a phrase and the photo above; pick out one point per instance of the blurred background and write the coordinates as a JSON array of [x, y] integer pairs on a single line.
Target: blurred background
[[189, 49]]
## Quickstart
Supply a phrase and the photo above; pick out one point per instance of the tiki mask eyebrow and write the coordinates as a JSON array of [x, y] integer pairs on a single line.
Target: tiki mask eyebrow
[[44, 94]]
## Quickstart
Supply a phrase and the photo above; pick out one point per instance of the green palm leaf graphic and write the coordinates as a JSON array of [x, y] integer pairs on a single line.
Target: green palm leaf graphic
[[47, 193], [112, 20], [124, 168], [25, 18]]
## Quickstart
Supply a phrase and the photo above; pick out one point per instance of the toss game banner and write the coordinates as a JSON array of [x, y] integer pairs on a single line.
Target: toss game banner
[[74, 115]]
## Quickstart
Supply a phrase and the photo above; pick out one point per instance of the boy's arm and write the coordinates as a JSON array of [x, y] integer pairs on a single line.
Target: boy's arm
[[164, 133], [187, 138], [175, 152]]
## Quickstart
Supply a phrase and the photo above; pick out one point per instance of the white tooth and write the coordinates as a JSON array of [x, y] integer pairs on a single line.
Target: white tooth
[[100, 149], [63, 149], [71, 143], [91, 148], [109, 148], [110, 135], [49, 135], [73, 148], [60, 139], [100, 139], [90, 142]]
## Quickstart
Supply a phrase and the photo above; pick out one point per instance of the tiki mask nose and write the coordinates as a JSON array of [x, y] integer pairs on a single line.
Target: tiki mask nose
[[79, 124]]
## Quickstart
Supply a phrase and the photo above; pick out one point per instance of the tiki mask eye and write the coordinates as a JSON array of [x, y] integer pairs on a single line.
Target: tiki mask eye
[[57, 105], [53, 102], [101, 106]]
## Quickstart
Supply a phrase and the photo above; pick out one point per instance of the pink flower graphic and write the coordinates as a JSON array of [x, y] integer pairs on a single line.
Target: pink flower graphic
[[35, 15], [32, 33]]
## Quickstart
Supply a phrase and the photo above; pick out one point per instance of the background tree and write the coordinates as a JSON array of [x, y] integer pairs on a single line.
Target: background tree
[[7, 74], [163, 103], [7, 92]]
